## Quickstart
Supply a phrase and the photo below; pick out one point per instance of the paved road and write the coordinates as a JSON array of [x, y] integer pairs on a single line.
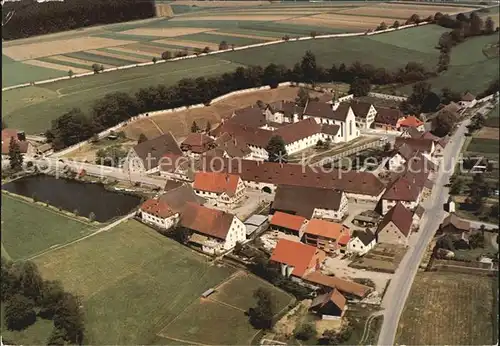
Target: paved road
[[399, 288]]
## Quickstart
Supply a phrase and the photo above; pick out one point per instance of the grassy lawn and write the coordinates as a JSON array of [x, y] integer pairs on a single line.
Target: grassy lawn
[[29, 228], [449, 309], [15, 72], [36, 334], [135, 283]]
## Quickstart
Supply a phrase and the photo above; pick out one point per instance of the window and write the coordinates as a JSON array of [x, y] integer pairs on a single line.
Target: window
[[350, 127]]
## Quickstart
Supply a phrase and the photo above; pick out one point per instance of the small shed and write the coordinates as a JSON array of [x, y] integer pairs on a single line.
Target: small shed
[[208, 292], [255, 222]]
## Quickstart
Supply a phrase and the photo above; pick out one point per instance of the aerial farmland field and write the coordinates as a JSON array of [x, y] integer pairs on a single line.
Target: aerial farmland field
[[450, 309], [145, 283], [197, 25]]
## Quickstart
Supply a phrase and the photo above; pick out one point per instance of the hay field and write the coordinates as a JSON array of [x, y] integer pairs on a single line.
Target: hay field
[[449, 309], [30, 228], [165, 32], [344, 21], [132, 281], [37, 50]]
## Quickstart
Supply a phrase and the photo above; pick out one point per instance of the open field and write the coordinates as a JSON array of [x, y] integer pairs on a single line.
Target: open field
[[29, 228], [470, 70], [449, 309], [225, 307], [36, 334], [484, 145], [272, 20], [33, 108], [488, 133], [493, 119], [145, 282]]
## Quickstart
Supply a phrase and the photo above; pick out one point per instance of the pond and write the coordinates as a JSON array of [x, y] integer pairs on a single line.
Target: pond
[[73, 195]]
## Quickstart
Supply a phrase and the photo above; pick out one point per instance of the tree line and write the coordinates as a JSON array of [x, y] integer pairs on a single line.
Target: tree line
[[463, 27], [75, 126], [32, 18], [27, 297]]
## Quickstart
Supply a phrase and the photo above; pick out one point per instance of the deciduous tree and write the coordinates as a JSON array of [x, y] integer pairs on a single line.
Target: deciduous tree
[[15, 155], [194, 127], [166, 55], [69, 318], [223, 45], [261, 316], [276, 150], [19, 312], [360, 87]]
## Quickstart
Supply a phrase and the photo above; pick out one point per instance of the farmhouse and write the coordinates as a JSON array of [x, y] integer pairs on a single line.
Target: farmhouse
[[364, 113], [337, 114], [266, 176], [178, 197], [233, 147], [403, 190], [310, 202], [324, 235], [396, 225], [410, 122], [288, 224], [296, 260], [214, 231], [331, 305], [400, 156], [158, 213], [145, 157], [361, 242], [19, 137], [388, 118], [220, 188], [196, 144], [251, 116]]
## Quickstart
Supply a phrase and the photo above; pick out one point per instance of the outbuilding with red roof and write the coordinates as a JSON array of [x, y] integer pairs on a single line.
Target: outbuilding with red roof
[[288, 223], [222, 188], [297, 259], [158, 213], [395, 227]]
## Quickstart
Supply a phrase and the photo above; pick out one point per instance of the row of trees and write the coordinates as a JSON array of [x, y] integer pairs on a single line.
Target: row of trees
[[33, 18], [74, 126], [27, 296]]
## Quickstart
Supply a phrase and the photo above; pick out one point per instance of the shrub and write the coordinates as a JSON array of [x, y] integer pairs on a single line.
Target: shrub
[[19, 312], [305, 332]]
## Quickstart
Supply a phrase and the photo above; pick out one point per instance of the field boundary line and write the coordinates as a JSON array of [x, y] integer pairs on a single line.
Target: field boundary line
[[181, 340], [193, 56], [156, 125], [225, 304]]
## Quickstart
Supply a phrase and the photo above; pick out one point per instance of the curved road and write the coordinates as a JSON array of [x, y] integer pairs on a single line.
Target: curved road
[[399, 288]]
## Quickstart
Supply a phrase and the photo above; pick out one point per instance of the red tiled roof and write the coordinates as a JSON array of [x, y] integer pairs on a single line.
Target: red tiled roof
[[402, 190], [344, 238], [325, 110], [299, 130], [157, 208], [212, 222], [364, 183], [420, 144], [331, 230], [410, 121], [344, 286], [289, 221], [295, 254], [216, 182], [360, 109], [388, 116], [334, 296], [400, 216]]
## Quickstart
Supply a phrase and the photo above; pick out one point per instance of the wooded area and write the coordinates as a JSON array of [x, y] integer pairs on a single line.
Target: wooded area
[[31, 18]]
